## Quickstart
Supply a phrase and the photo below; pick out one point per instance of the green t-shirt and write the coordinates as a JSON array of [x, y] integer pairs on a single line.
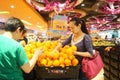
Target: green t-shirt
[[12, 57]]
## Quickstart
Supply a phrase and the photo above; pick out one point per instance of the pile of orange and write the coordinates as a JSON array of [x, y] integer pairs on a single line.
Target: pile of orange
[[63, 57], [32, 46]]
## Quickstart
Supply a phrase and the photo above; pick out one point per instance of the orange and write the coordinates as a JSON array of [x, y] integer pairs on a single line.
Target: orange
[[30, 56], [67, 62], [69, 51], [43, 56], [64, 56], [66, 46], [56, 63], [33, 50], [75, 62], [38, 44], [43, 62], [49, 62], [71, 57], [62, 50], [27, 48], [74, 48], [62, 65], [56, 43], [56, 55], [61, 60], [31, 41]]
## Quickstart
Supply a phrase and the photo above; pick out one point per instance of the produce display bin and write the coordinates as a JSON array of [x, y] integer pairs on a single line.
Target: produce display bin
[[58, 72]]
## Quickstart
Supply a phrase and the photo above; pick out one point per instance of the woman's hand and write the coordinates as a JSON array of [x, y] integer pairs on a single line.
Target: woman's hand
[[52, 53], [75, 53]]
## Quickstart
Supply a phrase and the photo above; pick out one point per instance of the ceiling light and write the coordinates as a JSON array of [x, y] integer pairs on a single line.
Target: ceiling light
[[26, 22], [82, 4], [29, 17], [12, 6], [4, 12], [39, 26]]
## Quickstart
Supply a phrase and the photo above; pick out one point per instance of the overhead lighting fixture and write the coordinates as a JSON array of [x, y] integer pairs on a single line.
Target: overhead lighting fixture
[[29, 17], [39, 26], [12, 6], [82, 4], [26, 22], [4, 12]]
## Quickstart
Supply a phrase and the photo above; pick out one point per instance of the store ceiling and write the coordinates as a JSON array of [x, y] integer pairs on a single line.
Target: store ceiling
[[102, 20], [37, 20], [20, 8], [89, 6]]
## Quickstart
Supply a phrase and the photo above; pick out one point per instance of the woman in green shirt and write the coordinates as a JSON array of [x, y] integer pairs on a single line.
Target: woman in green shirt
[[12, 55]]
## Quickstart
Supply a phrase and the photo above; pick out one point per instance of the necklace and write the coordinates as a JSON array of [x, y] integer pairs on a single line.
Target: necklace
[[77, 38]]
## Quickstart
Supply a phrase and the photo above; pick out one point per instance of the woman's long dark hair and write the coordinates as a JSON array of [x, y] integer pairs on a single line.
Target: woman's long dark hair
[[82, 22]]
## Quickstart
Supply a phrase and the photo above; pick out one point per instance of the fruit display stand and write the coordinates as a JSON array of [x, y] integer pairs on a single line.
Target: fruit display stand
[[101, 44], [111, 58], [110, 54], [112, 63], [61, 64], [68, 72]]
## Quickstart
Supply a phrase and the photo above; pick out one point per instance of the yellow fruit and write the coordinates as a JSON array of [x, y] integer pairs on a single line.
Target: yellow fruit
[[38, 44], [56, 63], [62, 50], [62, 65], [31, 41], [75, 62], [30, 56], [74, 48], [69, 51], [64, 56], [61, 60], [66, 46], [27, 48], [43, 56], [56, 55], [33, 50], [71, 57], [67, 62], [49, 63], [43, 62]]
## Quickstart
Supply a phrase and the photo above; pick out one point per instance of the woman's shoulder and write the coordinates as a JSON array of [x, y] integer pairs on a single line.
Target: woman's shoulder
[[87, 37]]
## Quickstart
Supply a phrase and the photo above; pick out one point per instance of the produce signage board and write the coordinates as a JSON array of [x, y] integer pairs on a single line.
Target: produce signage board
[[60, 22]]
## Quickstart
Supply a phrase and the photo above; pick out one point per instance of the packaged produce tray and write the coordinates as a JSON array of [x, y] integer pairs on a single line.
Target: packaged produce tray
[[58, 72]]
